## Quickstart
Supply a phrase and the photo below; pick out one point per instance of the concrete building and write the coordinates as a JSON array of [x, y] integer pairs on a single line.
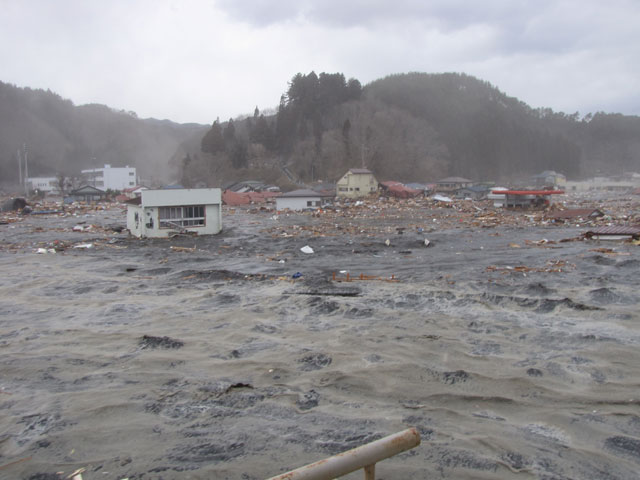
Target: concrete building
[[111, 178], [161, 213], [356, 183], [43, 184], [450, 185], [299, 200], [498, 196]]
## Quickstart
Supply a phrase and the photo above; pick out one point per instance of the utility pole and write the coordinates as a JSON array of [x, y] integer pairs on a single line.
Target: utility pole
[[26, 170], [19, 167], [363, 136]]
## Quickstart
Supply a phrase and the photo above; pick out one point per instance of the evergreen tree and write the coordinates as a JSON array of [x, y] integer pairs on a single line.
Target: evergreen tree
[[213, 141], [230, 134], [354, 89], [332, 90], [285, 127], [239, 155], [261, 133]]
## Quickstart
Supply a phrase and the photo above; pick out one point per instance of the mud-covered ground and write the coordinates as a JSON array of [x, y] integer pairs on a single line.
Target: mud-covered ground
[[515, 354]]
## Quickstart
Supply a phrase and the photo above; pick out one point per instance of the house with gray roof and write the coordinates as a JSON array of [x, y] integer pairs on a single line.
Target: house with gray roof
[[302, 199]]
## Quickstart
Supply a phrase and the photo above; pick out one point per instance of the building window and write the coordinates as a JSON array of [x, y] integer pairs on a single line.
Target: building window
[[309, 203], [343, 189], [131, 174], [357, 189], [172, 217]]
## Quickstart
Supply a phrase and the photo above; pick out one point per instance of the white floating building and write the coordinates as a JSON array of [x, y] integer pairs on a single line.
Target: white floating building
[[162, 213]]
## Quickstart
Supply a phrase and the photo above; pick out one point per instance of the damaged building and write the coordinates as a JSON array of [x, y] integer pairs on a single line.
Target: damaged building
[[356, 183], [162, 213], [301, 200], [527, 198]]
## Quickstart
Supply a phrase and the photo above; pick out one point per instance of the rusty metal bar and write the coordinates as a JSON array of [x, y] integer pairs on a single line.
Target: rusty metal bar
[[364, 457], [370, 472]]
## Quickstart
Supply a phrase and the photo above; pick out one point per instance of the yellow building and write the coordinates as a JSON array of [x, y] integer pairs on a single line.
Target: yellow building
[[356, 183]]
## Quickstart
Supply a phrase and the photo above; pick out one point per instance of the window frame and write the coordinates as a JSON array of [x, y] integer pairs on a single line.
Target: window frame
[[182, 216]]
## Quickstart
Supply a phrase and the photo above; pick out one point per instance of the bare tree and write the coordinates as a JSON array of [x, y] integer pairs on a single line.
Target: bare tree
[[63, 183]]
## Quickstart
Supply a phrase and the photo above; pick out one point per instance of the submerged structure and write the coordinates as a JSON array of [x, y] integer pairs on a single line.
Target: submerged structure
[[527, 198], [162, 213], [87, 193], [303, 199]]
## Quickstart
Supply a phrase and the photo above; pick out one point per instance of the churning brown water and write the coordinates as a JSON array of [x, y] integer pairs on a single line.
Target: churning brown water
[[133, 360]]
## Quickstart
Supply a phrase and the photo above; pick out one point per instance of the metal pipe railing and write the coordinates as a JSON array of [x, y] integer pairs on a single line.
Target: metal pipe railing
[[365, 456]]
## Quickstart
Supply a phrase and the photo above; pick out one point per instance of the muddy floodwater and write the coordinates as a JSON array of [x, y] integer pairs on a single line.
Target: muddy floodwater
[[515, 355]]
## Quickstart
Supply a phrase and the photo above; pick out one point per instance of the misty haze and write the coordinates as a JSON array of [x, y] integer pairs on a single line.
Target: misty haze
[[238, 239]]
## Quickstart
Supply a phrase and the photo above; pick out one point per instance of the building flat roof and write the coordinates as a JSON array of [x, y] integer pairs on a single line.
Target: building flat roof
[[528, 192], [179, 197], [300, 193]]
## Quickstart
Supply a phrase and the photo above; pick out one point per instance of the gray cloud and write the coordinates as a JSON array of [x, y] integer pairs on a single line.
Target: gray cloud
[[544, 25], [445, 14], [194, 60]]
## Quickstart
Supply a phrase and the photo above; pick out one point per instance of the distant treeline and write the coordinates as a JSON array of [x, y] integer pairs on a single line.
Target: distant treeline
[[407, 127], [61, 138], [411, 127]]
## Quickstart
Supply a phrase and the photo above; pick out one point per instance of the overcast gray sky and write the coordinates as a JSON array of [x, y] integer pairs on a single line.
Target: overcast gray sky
[[195, 60]]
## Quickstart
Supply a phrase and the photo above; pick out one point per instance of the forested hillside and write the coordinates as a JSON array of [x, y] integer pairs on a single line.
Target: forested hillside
[[409, 127], [60, 137]]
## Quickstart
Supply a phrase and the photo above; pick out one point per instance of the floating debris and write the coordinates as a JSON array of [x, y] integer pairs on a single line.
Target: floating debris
[[148, 341]]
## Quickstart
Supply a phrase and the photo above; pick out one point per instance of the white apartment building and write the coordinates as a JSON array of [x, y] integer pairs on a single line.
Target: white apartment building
[[111, 178], [43, 184]]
